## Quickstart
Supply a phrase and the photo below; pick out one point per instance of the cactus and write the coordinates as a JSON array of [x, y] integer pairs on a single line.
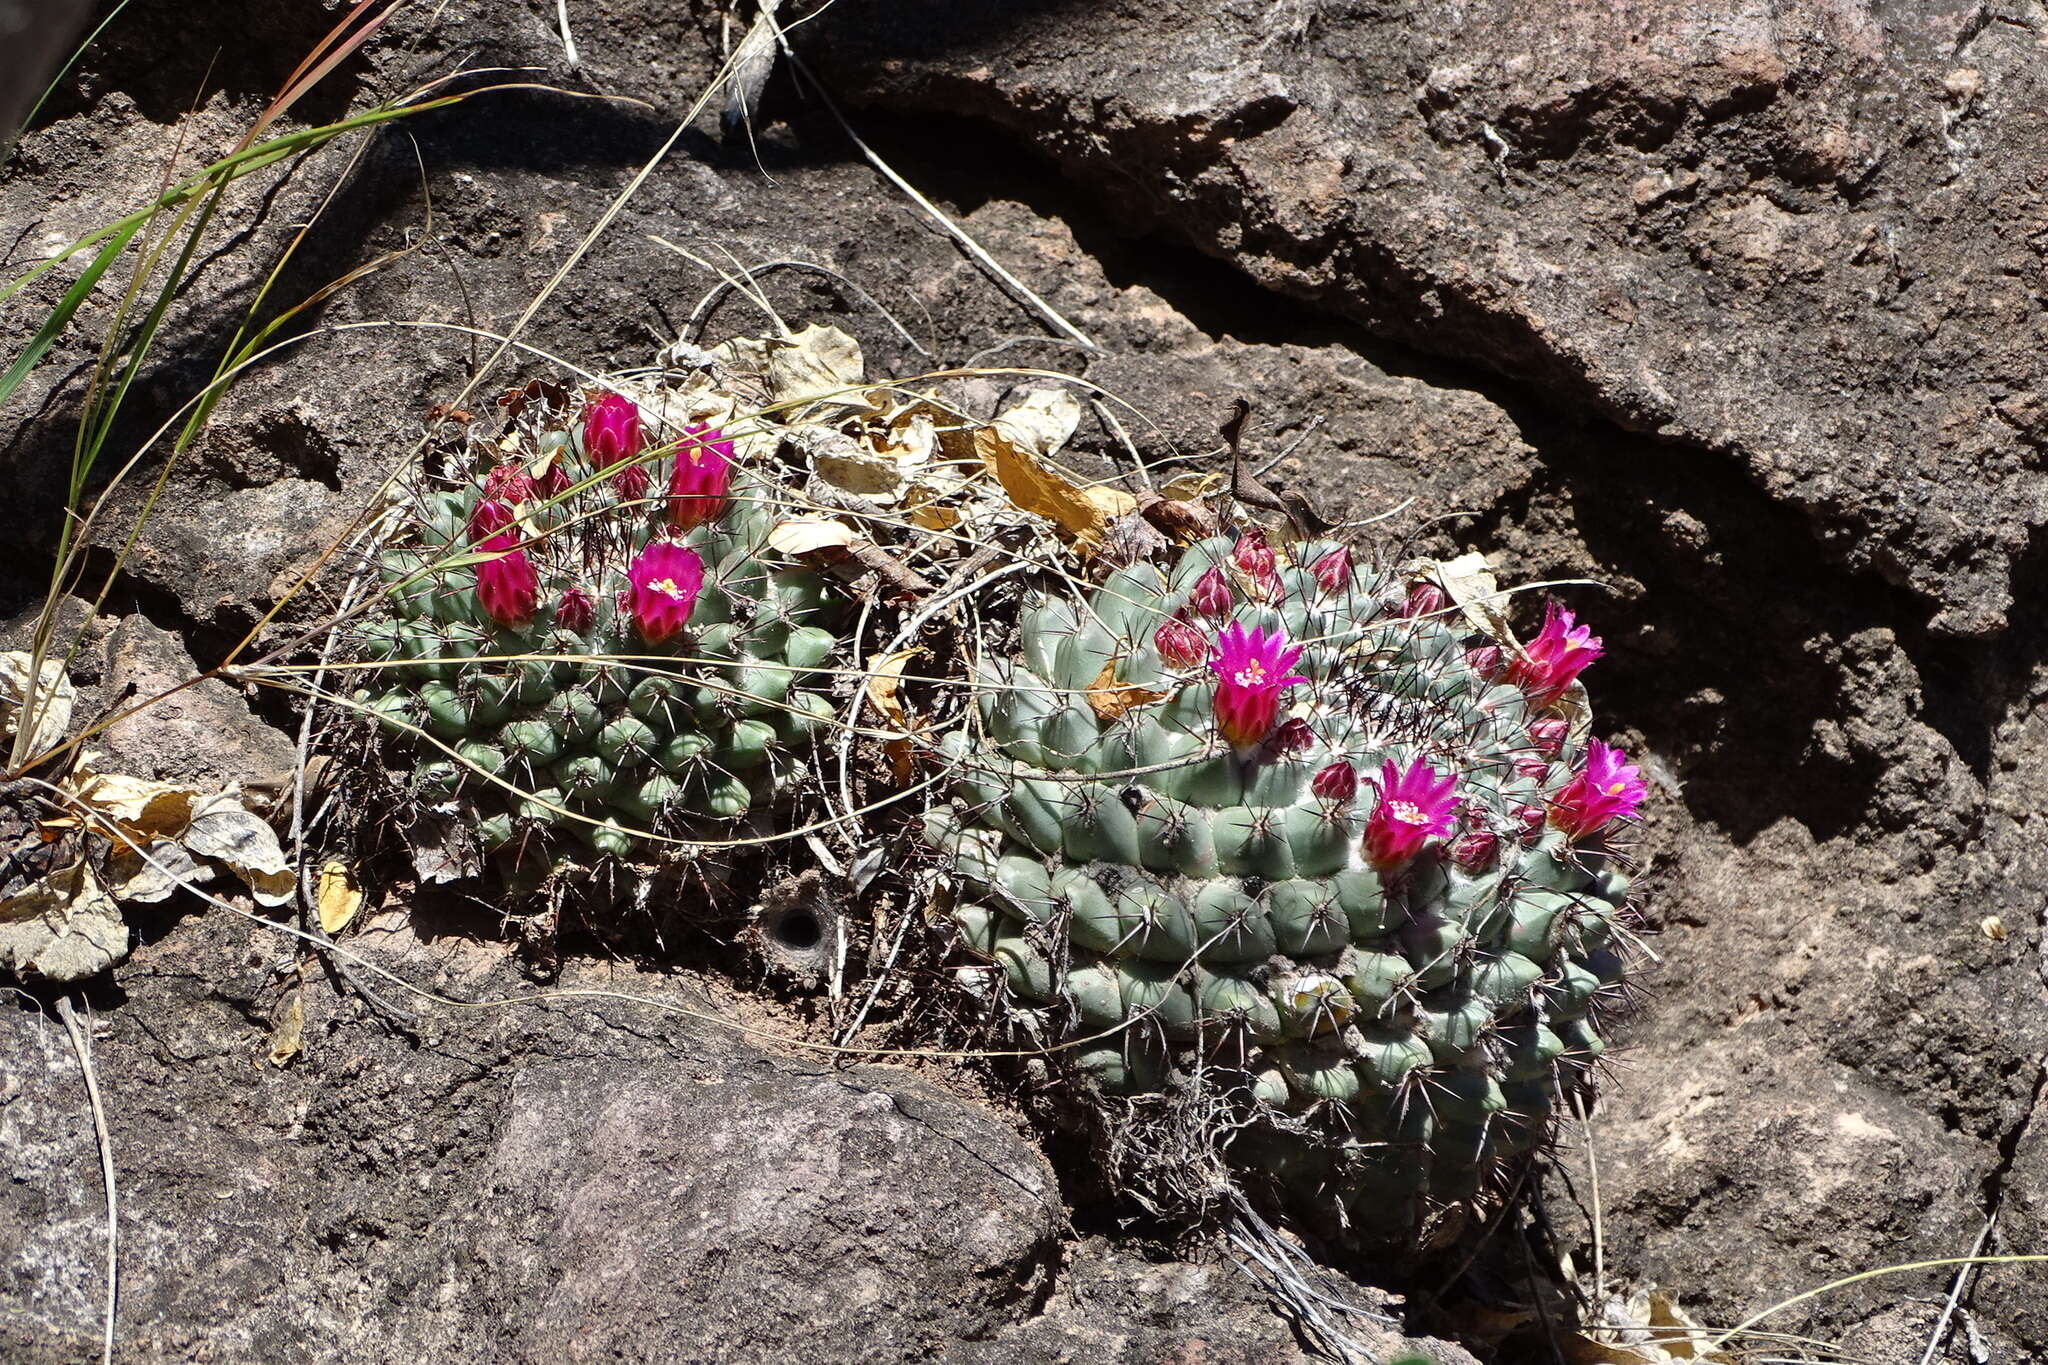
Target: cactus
[[1287, 830], [509, 604]]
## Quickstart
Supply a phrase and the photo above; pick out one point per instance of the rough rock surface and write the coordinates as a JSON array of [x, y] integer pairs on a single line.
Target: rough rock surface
[[1734, 310]]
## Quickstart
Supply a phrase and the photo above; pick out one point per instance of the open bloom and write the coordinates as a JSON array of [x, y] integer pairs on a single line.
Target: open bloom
[[1211, 594], [575, 612], [1415, 806], [611, 431], [697, 490], [1180, 644], [1561, 651], [1251, 673], [1606, 789], [1332, 570], [664, 580], [507, 587]]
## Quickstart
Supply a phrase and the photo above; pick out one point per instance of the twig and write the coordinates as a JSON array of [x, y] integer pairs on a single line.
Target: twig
[[702, 311], [1593, 1183], [1955, 1293], [568, 40], [81, 1044]]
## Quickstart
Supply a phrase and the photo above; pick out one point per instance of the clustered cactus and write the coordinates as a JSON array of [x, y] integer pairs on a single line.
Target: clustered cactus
[[1280, 828], [595, 657]]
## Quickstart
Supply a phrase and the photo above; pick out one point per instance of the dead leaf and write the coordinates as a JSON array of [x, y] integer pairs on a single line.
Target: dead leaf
[[818, 362], [51, 708], [288, 1034], [62, 929], [1110, 699], [338, 898], [885, 682], [805, 535], [1012, 450], [138, 805], [1469, 583], [221, 829], [1644, 1326], [898, 753], [146, 881], [1042, 421]]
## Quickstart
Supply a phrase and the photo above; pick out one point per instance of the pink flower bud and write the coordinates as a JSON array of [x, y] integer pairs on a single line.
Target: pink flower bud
[[507, 483], [697, 490], [1548, 734], [575, 613], [1424, 599], [1532, 767], [1531, 819], [611, 431], [488, 518], [1180, 644], [1476, 850], [553, 481], [1211, 596], [1338, 782], [1333, 570], [1485, 660], [1293, 736], [631, 483], [507, 587], [665, 579], [1253, 556]]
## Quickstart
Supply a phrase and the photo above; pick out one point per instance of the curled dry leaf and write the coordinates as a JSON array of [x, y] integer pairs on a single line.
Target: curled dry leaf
[[288, 1033], [817, 363], [1643, 1327], [62, 929], [885, 690], [223, 830], [50, 710], [1014, 448], [338, 897], [1469, 583], [807, 535], [1109, 699]]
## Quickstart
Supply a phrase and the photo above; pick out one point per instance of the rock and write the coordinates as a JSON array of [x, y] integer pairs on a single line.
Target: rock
[[203, 734]]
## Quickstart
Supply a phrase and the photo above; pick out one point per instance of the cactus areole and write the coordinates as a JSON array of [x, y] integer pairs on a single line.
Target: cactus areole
[[1348, 870]]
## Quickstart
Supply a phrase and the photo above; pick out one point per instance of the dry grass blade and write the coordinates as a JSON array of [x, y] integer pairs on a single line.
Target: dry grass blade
[[81, 1044]]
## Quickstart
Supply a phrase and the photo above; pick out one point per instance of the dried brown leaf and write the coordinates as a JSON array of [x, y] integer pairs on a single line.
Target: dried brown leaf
[[338, 897], [1110, 699]]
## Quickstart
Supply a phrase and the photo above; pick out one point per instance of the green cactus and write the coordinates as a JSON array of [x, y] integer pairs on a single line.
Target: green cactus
[[553, 745], [1263, 886]]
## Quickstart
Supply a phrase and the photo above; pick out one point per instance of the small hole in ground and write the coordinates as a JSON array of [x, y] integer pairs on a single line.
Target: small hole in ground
[[798, 929]]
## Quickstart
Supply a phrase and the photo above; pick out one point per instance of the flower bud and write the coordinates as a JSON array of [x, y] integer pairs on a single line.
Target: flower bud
[[575, 613], [1424, 599], [631, 483], [1254, 556], [1333, 570], [697, 491], [1485, 660], [1532, 820], [611, 431], [488, 518], [507, 483], [1293, 736], [507, 587], [1180, 644], [1476, 851], [1549, 733], [1211, 596], [1338, 782], [1532, 767]]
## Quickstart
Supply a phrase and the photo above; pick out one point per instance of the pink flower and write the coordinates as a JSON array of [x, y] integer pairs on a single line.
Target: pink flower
[[1211, 595], [1560, 652], [1606, 789], [1485, 660], [697, 490], [507, 587], [1338, 783], [507, 482], [1547, 733], [1256, 560], [1424, 599], [1476, 850], [1332, 570], [575, 613], [488, 518], [1251, 673], [1415, 806], [665, 579], [631, 483], [1180, 644], [611, 431], [553, 481]]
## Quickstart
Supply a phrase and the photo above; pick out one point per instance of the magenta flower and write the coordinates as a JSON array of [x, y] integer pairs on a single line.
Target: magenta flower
[[1332, 570], [1560, 652], [1338, 782], [575, 613], [488, 518], [1180, 644], [1251, 673], [611, 431], [665, 579], [1415, 806], [1211, 595], [507, 587], [1485, 660], [698, 488], [553, 481], [1606, 789], [1424, 599]]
